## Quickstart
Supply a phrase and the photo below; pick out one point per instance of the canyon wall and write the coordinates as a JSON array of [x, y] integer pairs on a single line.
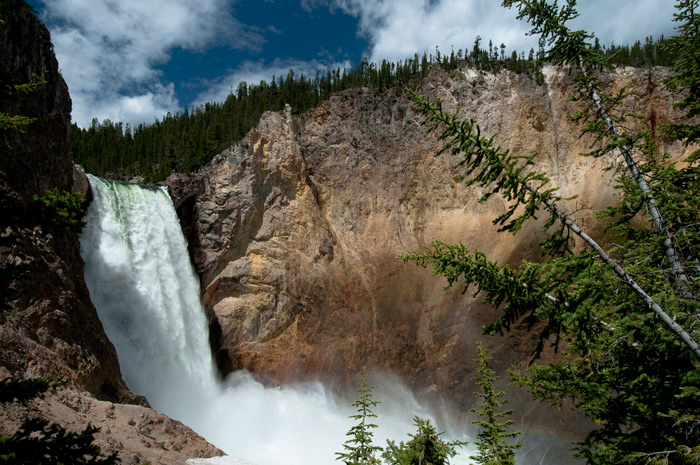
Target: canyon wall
[[48, 325], [296, 230], [295, 233]]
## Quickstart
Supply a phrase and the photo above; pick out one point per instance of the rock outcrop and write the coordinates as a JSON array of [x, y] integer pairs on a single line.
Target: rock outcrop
[[137, 434], [48, 326], [296, 230]]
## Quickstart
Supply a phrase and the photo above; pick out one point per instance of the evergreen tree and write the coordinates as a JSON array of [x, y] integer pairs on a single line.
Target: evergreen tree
[[492, 438], [359, 449], [8, 91], [425, 447], [11, 91], [625, 314], [687, 46], [188, 140]]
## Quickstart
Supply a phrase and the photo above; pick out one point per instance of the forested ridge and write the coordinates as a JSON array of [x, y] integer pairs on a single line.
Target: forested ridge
[[186, 141]]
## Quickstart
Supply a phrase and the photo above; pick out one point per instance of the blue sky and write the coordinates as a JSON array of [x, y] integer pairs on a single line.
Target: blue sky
[[135, 60]]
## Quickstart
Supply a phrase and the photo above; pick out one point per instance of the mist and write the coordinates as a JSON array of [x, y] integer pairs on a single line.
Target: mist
[[303, 423], [146, 293]]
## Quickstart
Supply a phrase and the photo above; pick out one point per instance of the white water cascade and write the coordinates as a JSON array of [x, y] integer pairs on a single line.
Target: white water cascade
[[146, 293]]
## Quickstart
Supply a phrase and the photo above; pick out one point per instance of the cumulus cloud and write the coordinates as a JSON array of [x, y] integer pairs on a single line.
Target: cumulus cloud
[[396, 29], [252, 72], [399, 29], [133, 109], [109, 50], [624, 21]]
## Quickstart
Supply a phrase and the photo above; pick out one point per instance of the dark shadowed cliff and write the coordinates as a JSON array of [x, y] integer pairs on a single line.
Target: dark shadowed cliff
[[48, 326]]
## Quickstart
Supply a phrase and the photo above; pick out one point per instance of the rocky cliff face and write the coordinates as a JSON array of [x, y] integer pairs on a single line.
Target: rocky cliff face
[[48, 326], [295, 231]]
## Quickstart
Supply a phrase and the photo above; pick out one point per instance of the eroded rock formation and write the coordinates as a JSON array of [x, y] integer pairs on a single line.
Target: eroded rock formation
[[295, 231], [48, 326]]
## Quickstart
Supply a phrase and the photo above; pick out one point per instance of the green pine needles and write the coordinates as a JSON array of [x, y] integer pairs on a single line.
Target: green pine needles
[[359, 449], [624, 314], [57, 210], [425, 447], [10, 92], [492, 444]]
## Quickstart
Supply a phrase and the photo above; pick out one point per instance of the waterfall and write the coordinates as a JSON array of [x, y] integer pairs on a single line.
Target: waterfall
[[146, 293]]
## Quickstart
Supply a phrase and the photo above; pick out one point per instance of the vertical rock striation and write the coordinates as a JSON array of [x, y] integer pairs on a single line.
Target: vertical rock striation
[[295, 231]]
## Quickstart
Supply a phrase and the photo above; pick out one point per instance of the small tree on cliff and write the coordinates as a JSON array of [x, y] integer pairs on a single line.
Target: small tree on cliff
[[625, 313], [359, 449], [492, 438], [12, 91]]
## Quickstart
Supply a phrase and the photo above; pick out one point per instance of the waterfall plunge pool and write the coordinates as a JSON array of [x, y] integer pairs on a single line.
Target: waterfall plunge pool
[[146, 293]]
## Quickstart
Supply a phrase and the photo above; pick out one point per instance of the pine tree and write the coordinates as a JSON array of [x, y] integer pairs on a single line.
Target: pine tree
[[425, 447], [359, 449], [625, 314], [686, 45], [16, 123], [492, 443]]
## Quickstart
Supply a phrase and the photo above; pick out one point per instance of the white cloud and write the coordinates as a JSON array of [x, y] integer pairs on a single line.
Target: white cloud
[[252, 72], [624, 21], [108, 50], [396, 29], [136, 109]]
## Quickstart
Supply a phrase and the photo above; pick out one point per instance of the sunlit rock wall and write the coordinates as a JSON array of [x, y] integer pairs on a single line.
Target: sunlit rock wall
[[296, 230]]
